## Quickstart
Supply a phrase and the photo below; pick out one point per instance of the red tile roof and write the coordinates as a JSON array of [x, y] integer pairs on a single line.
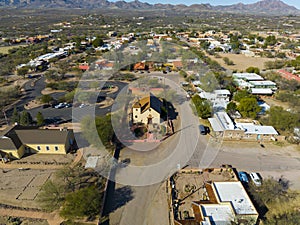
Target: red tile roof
[[84, 67], [289, 76]]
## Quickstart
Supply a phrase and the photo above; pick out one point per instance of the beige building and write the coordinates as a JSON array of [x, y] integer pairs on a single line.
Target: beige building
[[18, 141], [147, 110]]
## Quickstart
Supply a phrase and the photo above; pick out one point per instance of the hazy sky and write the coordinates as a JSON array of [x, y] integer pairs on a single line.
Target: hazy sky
[[295, 3]]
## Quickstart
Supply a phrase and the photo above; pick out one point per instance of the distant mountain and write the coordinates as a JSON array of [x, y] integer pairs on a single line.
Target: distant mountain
[[275, 7]]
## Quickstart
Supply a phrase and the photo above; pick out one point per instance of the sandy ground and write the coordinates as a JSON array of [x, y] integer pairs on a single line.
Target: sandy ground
[[48, 91], [241, 62], [32, 104]]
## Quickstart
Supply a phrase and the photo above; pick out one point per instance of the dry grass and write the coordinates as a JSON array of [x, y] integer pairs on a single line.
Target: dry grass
[[5, 49], [242, 62], [283, 207]]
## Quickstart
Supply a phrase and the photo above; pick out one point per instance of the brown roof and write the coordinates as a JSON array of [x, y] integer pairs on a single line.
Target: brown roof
[[7, 144], [149, 102], [39, 136], [211, 193], [10, 141], [197, 213], [177, 64]]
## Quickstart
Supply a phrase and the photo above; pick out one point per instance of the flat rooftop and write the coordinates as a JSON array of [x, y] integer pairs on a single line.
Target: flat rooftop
[[219, 214], [251, 128], [261, 91], [262, 82], [235, 193], [247, 76]]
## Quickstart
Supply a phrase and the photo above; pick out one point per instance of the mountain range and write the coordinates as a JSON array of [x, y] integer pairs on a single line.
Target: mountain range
[[274, 7]]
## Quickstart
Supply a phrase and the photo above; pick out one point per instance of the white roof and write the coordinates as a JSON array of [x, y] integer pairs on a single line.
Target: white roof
[[251, 128], [218, 214], [222, 92], [216, 126], [247, 76], [235, 193], [242, 83], [91, 162], [261, 91], [262, 82]]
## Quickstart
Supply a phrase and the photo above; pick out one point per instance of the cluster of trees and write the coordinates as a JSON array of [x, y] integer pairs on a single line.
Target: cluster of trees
[[247, 106], [203, 108], [8, 95], [19, 55], [252, 69], [25, 119], [74, 191], [277, 64], [281, 119], [63, 85], [274, 200]]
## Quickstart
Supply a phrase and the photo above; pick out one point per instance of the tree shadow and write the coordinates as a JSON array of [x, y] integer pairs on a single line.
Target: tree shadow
[[116, 198]]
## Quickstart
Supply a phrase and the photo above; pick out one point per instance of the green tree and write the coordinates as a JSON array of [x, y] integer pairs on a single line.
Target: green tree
[[15, 116], [202, 106], [248, 107], [209, 83], [69, 96], [240, 94], [23, 71], [228, 61], [40, 119], [46, 98], [104, 130], [97, 42], [25, 118], [231, 107], [282, 119], [52, 195], [252, 69], [82, 203]]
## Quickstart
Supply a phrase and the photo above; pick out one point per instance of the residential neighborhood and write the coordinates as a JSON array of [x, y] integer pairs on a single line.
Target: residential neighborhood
[[130, 113]]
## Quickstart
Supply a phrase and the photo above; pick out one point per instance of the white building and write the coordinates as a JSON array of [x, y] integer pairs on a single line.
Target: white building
[[221, 123], [228, 202], [219, 98]]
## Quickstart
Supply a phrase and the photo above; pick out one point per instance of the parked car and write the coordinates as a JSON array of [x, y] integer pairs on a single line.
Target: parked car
[[82, 105], [243, 177], [60, 105], [255, 179], [202, 130]]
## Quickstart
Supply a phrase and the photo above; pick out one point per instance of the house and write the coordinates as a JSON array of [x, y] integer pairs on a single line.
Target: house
[[19, 140], [84, 67], [197, 200], [139, 66], [247, 76], [228, 201], [147, 110], [219, 98], [289, 76], [177, 65], [221, 123], [266, 84]]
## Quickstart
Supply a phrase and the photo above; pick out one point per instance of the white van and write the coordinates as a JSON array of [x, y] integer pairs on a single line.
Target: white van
[[256, 179]]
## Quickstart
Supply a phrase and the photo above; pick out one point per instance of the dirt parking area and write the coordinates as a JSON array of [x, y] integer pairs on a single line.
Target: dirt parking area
[[21, 187]]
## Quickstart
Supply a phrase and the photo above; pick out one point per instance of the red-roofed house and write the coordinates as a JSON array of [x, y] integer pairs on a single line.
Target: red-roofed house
[[289, 76], [84, 67]]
